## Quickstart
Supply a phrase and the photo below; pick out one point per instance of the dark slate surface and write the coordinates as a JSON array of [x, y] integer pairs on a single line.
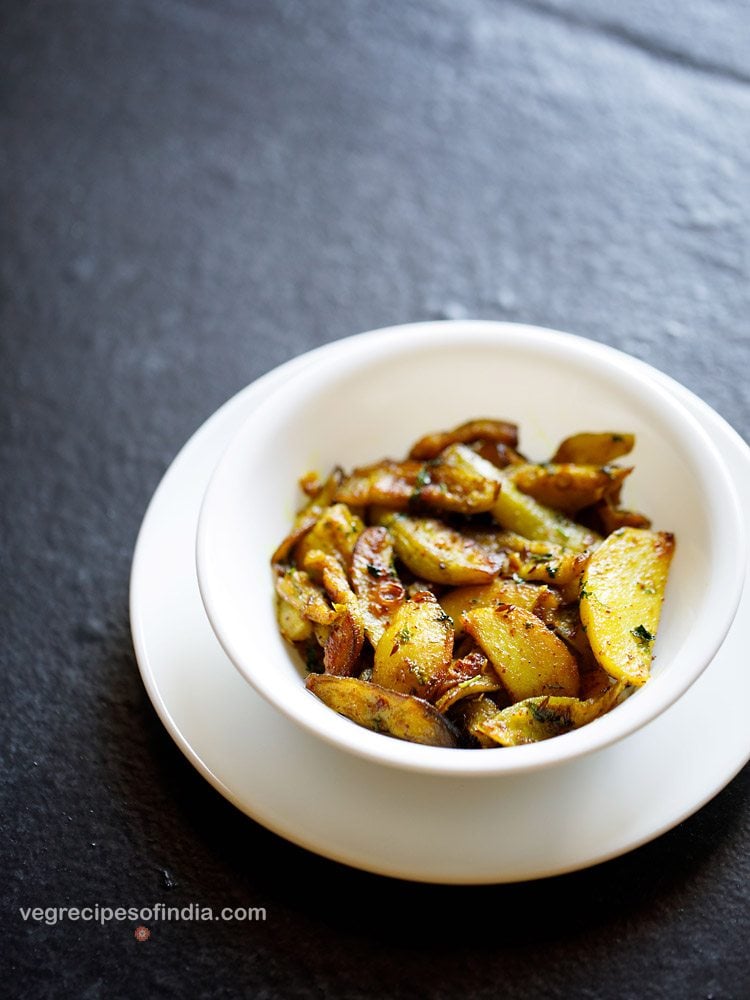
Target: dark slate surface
[[195, 192]]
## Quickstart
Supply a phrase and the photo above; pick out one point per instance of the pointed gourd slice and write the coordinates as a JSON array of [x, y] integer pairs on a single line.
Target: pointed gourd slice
[[536, 719], [383, 711], [594, 448], [568, 487], [378, 588], [438, 553], [521, 513]]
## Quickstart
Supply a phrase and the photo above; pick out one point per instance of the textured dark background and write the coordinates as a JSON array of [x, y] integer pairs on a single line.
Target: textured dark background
[[195, 192]]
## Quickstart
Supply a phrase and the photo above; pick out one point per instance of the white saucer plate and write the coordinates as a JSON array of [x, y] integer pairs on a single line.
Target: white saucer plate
[[399, 823]]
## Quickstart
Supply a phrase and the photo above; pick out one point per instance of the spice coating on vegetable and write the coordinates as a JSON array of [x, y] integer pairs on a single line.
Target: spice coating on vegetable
[[465, 596]]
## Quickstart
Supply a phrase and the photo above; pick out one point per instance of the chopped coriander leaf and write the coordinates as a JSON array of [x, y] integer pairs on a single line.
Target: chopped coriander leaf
[[423, 479], [642, 634], [544, 714]]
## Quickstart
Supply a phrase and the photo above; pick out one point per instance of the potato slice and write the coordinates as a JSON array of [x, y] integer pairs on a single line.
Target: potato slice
[[415, 649], [306, 518], [536, 719], [561, 569], [609, 517], [389, 483], [528, 658], [378, 588], [335, 532], [535, 561], [457, 466], [594, 449], [384, 711], [292, 624], [569, 487], [447, 483], [436, 552], [295, 587], [621, 596], [499, 454], [530, 596], [501, 431]]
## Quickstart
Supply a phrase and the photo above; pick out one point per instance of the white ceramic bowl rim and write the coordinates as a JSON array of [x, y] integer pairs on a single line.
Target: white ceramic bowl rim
[[397, 343]]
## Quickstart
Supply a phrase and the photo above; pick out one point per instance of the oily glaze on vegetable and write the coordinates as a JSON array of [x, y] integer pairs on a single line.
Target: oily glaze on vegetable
[[467, 596], [621, 597]]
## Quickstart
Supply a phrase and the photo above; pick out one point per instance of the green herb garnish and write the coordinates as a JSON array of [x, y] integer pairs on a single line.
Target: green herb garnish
[[642, 634]]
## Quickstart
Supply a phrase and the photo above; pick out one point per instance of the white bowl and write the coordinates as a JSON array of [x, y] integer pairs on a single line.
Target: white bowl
[[381, 391]]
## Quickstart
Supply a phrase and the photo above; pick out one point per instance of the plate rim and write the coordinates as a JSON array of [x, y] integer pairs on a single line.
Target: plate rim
[[355, 355], [150, 680]]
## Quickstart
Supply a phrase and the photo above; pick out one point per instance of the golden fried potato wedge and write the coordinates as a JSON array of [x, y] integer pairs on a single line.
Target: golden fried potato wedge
[[436, 552], [536, 719], [400, 715], [530, 596], [594, 449], [621, 596], [528, 658], [567, 487], [378, 588], [415, 649], [335, 532], [501, 431]]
